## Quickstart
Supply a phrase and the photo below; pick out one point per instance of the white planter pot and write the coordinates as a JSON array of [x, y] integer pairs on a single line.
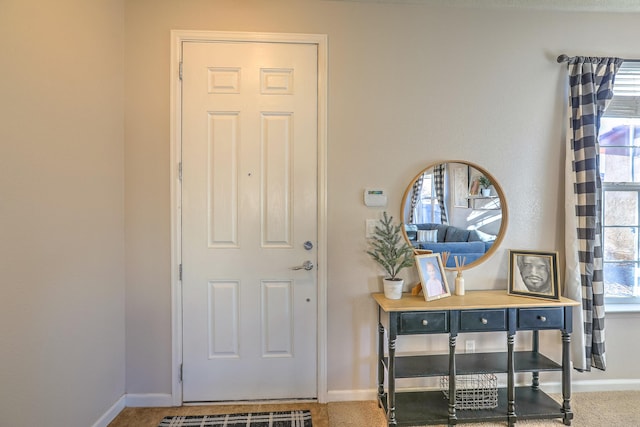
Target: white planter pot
[[393, 288], [486, 192]]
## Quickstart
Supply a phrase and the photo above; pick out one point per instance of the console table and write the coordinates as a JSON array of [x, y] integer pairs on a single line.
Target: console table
[[477, 311]]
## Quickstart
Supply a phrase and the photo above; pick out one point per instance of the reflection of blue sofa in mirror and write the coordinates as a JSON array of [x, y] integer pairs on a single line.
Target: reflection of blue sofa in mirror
[[457, 241]]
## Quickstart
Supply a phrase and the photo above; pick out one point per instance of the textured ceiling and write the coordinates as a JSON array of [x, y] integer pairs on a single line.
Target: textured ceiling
[[577, 5]]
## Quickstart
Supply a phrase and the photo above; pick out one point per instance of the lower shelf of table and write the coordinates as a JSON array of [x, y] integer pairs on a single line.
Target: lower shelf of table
[[431, 407]]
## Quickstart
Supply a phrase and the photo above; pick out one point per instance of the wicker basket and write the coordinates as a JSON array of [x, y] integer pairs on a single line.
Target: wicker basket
[[478, 391]]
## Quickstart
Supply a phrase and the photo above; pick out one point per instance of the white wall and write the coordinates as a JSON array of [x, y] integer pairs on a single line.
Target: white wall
[[409, 84], [61, 211]]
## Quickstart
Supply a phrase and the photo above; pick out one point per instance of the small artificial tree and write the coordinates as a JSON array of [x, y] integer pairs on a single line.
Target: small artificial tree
[[388, 250]]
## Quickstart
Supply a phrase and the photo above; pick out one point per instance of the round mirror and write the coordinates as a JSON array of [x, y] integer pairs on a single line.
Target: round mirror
[[457, 209]]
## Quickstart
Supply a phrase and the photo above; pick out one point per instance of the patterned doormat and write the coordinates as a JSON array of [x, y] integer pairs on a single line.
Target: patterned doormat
[[260, 419]]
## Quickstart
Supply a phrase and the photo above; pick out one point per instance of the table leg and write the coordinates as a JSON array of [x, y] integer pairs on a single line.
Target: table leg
[[535, 381], [453, 418], [380, 359], [511, 390], [391, 397], [566, 379]]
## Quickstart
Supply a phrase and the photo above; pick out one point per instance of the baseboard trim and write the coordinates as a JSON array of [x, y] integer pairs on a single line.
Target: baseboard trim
[[605, 385], [593, 385], [155, 400], [555, 387], [351, 395], [111, 413]]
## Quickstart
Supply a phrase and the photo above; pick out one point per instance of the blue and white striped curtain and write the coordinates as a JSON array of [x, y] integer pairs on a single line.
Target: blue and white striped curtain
[[438, 183], [591, 89]]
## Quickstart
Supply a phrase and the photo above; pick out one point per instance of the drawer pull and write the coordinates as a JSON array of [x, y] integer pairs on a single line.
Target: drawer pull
[[542, 318], [425, 322], [484, 321]]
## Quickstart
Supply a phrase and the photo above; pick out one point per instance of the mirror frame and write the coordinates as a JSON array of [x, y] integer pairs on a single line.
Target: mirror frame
[[503, 208]]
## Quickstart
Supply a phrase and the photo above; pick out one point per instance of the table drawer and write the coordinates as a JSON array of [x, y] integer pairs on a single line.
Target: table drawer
[[541, 318], [483, 320], [431, 322]]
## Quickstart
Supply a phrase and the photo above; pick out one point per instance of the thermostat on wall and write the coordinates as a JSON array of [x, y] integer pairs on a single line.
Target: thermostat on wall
[[375, 197]]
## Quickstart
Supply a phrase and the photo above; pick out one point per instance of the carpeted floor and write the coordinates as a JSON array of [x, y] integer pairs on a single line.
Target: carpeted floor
[[607, 409]]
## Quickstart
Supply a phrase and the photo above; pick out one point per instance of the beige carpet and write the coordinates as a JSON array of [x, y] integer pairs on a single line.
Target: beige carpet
[[610, 409]]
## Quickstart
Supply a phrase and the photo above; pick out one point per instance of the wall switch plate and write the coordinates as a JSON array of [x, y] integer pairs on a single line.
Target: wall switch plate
[[370, 228]]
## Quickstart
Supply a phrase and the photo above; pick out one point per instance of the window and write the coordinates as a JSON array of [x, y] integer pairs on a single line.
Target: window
[[619, 138], [427, 209]]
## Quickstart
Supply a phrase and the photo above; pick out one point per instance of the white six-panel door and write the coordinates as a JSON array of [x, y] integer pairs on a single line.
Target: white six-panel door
[[249, 205]]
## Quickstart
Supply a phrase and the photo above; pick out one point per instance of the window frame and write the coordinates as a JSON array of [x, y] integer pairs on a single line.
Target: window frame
[[624, 105]]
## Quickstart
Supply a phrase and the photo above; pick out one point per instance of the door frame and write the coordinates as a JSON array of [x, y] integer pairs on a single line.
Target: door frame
[[177, 38]]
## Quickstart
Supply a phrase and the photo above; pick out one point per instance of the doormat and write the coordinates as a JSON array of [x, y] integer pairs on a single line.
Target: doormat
[[260, 419]]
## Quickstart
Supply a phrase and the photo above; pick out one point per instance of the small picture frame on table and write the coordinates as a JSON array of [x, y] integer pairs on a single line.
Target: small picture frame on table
[[534, 274], [432, 276]]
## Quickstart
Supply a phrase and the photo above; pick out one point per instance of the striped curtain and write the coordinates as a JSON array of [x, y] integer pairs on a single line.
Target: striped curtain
[[416, 191], [591, 89], [438, 183]]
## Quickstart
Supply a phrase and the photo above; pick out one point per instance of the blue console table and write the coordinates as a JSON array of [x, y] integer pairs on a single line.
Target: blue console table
[[477, 311]]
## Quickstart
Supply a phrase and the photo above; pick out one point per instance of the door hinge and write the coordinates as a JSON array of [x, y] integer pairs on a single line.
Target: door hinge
[[180, 71], [180, 272], [180, 171], [181, 372]]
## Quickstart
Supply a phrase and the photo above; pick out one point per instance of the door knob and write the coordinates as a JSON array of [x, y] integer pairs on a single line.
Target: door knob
[[307, 265]]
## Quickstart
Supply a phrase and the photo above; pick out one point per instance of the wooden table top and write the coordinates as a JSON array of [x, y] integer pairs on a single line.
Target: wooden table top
[[471, 300]]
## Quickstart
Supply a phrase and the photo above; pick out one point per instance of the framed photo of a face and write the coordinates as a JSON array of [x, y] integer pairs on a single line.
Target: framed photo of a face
[[432, 277], [534, 274]]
